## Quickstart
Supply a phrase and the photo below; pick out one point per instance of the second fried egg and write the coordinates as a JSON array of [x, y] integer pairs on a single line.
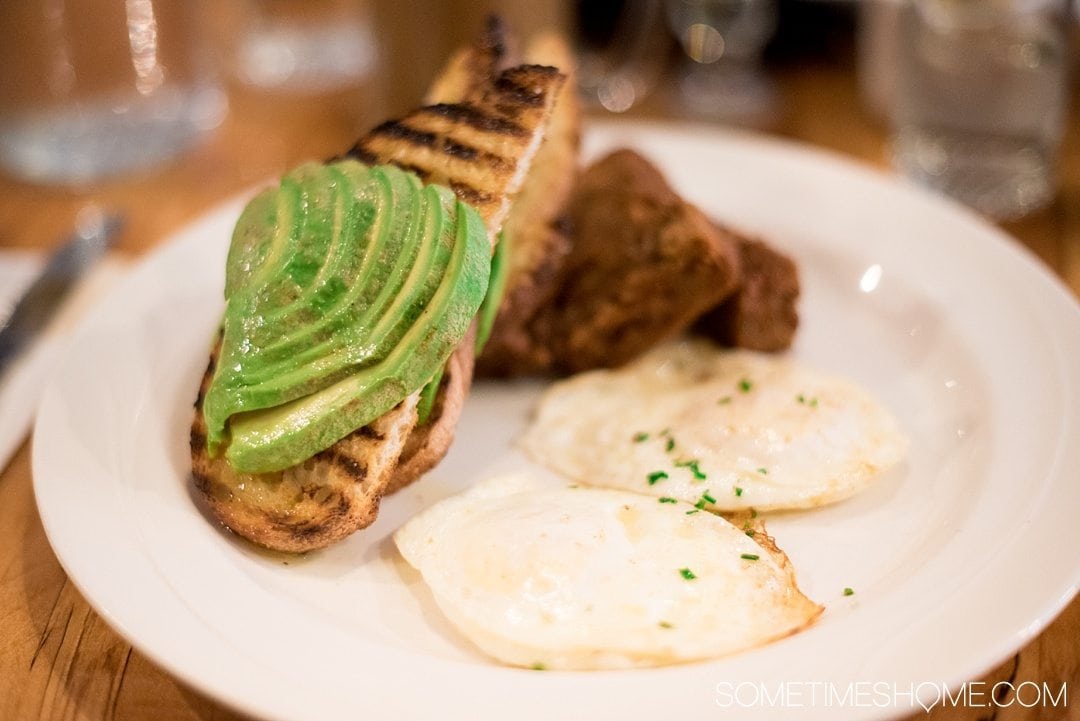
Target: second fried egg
[[726, 430]]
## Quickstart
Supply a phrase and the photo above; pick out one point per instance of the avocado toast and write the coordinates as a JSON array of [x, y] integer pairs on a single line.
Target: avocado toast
[[348, 339]]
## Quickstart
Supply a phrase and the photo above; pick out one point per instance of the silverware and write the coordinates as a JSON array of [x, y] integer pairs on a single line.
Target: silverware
[[94, 234]]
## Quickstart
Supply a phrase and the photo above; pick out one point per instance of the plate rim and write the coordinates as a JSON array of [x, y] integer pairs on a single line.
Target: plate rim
[[1014, 251]]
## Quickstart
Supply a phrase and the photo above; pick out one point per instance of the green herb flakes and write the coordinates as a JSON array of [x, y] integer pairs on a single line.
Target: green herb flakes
[[692, 466], [749, 556], [687, 574], [738, 491], [707, 498], [656, 476], [666, 499], [670, 445], [763, 471], [640, 437], [849, 592], [666, 624], [538, 667], [745, 386]]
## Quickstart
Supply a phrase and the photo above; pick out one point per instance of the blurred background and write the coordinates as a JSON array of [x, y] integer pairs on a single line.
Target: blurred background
[[193, 101]]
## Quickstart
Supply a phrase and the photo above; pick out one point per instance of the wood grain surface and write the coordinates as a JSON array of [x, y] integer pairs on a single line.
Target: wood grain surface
[[59, 660]]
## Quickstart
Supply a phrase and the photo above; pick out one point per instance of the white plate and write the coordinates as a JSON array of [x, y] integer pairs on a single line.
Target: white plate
[[957, 559]]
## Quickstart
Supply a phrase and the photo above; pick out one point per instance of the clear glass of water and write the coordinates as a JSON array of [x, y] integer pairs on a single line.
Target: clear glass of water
[[723, 41], [90, 90], [621, 48], [303, 46], [981, 98]]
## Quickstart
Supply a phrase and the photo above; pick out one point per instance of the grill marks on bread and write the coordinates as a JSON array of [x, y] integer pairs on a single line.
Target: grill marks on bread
[[309, 505], [481, 148]]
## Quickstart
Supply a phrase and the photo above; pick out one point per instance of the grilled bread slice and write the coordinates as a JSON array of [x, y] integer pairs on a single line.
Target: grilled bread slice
[[310, 505], [539, 241], [470, 66], [537, 229], [481, 148]]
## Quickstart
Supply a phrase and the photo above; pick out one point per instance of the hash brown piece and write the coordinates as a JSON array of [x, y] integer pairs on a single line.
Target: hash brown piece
[[762, 314], [644, 265]]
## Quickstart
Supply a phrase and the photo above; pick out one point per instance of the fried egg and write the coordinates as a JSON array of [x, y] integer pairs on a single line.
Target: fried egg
[[586, 578], [724, 429]]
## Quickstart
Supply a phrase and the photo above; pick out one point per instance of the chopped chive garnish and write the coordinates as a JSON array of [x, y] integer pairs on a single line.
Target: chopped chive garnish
[[849, 592], [763, 471], [750, 532], [692, 465], [707, 498], [641, 436], [700, 505], [670, 445], [725, 400], [666, 624], [538, 667], [693, 511], [750, 556], [656, 476], [753, 513], [738, 491], [745, 385], [665, 499], [687, 574], [801, 398]]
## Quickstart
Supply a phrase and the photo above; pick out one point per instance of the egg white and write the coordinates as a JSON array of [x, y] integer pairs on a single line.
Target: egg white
[[726, 429], [584, 578]]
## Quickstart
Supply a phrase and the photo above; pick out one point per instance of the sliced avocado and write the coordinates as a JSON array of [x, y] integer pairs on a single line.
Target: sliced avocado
[[489, 309], [347, 289], [275, 438], [427, 397], [332, 238]]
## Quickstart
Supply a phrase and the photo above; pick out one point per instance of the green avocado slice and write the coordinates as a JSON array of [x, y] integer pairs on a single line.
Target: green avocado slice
[[347, 288], [275, 438]]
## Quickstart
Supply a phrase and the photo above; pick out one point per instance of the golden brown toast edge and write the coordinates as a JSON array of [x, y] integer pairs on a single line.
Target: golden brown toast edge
[[337, 492]]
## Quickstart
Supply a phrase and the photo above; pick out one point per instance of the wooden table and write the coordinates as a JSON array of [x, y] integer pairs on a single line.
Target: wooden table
[[58, 659]]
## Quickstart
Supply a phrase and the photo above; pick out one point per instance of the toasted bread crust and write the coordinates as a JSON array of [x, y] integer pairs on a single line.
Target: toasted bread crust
[[537, 229], [310, 505], [470, 66], [428, 443], [481, 148]]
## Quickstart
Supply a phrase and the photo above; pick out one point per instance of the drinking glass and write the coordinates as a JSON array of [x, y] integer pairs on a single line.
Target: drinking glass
[[621, 47], [92, 89], [303, 46], [724, 41], [981, 100]]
